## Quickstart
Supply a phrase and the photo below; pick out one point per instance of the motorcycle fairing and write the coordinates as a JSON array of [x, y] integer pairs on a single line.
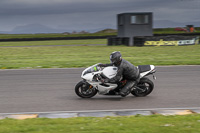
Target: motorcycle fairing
[[103, 88], [110, 71], [146, 69]]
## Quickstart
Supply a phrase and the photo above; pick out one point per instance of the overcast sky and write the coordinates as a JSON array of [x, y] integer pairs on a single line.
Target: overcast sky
[[92, 14]]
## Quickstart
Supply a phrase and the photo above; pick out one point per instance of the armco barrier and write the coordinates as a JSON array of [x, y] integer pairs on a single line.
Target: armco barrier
[[55, 38], [103, 113]]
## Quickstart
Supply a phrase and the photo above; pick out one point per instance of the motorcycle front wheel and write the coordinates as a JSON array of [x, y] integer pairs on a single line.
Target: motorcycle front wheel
[[85, 90], [143, 88]]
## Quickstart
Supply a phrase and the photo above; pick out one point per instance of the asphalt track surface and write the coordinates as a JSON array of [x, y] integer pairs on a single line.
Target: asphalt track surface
[[45, 90]]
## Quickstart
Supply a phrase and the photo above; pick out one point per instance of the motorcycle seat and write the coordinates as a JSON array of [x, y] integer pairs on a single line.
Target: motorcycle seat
[[144, 68]]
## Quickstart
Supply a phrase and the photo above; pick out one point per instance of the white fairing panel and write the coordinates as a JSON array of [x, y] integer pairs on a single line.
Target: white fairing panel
[[88, 76], [152, 67], [110, 72], [105, 90], [145, 73]]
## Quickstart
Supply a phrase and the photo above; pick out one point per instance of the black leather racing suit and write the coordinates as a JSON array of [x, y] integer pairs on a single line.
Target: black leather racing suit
[[126, 70]]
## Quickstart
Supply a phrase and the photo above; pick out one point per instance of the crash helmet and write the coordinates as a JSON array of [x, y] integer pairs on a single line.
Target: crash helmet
[[116, 58]]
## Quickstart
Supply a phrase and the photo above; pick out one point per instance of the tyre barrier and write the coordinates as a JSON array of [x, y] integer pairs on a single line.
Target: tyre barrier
[[103, 113], [118, 41]]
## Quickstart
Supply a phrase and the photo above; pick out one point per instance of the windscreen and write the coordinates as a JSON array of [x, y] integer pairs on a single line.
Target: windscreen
[[91, 69]]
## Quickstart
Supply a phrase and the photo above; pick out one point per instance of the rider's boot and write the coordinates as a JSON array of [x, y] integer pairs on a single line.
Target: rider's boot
[[124, 94], [126, 90]]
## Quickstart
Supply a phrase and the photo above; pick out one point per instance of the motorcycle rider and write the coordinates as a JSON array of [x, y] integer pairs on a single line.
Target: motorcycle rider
[[126, 70]]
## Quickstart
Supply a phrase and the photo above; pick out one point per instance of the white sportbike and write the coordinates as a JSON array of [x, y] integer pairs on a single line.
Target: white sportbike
[[91, 83]]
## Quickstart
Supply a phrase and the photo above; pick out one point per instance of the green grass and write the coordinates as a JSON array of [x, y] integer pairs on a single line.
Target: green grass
[[131, 124], [55, 42], [84, 56]]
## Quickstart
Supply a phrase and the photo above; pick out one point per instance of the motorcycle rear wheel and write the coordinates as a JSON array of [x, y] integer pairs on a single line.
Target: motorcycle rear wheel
[[145, 85], [85, 90]]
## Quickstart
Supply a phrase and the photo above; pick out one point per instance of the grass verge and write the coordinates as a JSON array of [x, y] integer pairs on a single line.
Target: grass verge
[[55, 42], [131, 124], [83, 56]]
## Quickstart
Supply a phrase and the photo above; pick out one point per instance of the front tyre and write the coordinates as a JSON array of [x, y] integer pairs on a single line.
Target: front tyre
[[85, 90], [143, 88]]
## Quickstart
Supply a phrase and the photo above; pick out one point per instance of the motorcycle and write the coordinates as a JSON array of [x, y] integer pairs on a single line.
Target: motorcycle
[[91, 83]]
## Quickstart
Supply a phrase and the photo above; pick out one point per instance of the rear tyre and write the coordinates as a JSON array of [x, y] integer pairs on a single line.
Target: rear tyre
[[143, 88], [85, 90]]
